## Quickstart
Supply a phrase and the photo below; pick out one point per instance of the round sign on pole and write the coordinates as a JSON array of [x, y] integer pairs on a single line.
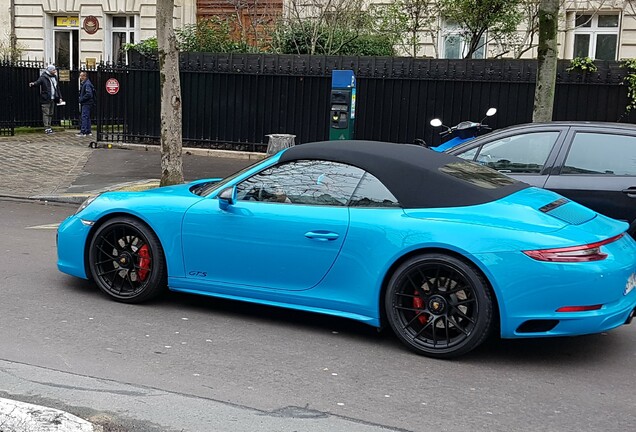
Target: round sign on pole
[[112, 86]]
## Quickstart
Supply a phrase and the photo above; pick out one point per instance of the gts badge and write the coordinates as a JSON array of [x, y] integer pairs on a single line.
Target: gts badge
[[198, 274]]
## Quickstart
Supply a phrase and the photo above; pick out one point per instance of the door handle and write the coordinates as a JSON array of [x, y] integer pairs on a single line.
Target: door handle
[[322, 235], [630, 191]]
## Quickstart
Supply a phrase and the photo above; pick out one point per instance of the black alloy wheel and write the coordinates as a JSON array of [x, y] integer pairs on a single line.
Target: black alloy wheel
[[439, 306], [126, 260]]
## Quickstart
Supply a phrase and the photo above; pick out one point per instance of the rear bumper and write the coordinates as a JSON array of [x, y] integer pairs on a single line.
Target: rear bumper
[[576, 323], [530, 296]]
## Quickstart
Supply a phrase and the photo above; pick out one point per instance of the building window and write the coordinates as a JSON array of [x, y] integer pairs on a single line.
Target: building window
[[596, 36], [66, 41], [454, 44], [123, 33]]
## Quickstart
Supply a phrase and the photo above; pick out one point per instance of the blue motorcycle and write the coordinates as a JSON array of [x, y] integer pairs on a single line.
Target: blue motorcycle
[[460, 133]]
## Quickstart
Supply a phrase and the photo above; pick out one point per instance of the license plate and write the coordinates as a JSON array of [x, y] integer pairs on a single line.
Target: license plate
[[631, 284]]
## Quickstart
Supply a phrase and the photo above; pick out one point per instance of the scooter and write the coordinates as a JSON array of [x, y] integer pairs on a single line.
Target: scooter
[[460, 133]]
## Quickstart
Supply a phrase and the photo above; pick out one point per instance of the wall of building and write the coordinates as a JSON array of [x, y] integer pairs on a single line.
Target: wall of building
[[5, 25], [430, 39], [35, 24]]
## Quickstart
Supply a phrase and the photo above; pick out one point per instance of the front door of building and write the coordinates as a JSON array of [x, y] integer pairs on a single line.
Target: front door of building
[[67, 49], [66, 42]]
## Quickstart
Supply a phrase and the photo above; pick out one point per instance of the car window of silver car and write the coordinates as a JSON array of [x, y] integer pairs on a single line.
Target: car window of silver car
[[601, 153], [308, 182], [525, 153]]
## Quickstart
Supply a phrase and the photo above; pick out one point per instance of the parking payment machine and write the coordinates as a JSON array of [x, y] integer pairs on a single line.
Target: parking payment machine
[[342, 105]]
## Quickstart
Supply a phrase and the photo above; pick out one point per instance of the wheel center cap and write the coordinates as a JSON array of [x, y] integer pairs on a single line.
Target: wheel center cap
[[124, 260], [437, 304]]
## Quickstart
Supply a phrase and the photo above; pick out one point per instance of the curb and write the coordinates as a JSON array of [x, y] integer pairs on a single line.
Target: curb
[[78, 198], [23, 417], [186, 150]]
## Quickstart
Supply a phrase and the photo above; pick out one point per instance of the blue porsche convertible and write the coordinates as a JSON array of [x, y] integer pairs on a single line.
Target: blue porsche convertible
[[442, 250]]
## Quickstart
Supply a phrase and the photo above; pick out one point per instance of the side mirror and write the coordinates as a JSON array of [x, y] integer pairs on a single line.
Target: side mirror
[[227, 197], [436, 122], [491, 112]]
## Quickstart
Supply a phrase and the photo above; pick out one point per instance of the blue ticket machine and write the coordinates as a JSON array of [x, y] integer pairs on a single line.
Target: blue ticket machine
[[342, 105]]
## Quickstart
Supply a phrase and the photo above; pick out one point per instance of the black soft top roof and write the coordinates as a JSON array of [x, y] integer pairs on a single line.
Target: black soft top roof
[[416, 176]]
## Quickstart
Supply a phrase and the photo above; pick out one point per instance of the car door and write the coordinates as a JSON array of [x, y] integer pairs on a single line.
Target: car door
[[284, 230], [526, 153], [597, 168]]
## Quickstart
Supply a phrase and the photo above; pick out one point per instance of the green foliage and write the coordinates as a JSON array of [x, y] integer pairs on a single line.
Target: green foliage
[[630, 80], [307, 37], [582, 64], [340, 27], [147, 47], [476, 17], [369, 45], [211, 35], [404, 21]]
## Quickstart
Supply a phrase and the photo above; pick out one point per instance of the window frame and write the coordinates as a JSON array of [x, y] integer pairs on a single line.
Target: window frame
[[450, 28], [565, 152], [74, 40], [128, 30], [517, 145], [594, 31], [549, 168]]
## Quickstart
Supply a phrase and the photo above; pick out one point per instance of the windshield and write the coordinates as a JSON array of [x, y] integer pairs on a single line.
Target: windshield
[[207, 190]]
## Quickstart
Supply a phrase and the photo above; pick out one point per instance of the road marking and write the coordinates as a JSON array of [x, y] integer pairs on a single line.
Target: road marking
[[52, 226]]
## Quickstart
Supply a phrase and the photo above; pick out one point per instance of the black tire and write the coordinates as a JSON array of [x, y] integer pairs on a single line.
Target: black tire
[[632, 230], [126, 260], [439, 306]]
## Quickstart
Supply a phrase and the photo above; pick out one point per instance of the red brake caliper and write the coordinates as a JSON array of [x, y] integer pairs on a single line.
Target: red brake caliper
[[144, 262], [418, 303]]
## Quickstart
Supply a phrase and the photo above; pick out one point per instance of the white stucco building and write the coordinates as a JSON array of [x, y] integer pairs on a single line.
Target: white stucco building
[[72, 33], [600, 29]]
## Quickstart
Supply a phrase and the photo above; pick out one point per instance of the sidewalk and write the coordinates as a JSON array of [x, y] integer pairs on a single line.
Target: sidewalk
[[62, 167]]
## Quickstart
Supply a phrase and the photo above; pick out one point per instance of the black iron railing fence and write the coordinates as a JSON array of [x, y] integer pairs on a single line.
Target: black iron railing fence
[[22, 103], [232, 101]]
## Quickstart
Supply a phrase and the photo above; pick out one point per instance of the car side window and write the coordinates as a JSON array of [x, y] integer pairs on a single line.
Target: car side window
[[308, 182], [372, 193], [526, 153], [469, 154], [600, 153]]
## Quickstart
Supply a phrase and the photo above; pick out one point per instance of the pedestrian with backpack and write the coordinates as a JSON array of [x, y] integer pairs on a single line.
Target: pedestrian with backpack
[[50, 95], [87, 98]]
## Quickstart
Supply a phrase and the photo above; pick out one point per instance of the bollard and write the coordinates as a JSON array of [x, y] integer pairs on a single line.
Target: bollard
[[278, 142]]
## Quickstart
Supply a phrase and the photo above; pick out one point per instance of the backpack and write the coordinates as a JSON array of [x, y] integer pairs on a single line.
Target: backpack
[[94, 93]]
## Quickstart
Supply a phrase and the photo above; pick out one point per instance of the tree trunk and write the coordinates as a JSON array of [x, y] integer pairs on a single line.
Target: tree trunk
[[171, 133], [547, 61]]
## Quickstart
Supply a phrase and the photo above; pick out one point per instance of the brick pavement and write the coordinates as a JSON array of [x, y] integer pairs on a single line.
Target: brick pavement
[[62, 167], [39, 164]]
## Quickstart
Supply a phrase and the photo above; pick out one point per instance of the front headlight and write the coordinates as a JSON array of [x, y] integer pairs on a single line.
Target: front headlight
[[86, 203]]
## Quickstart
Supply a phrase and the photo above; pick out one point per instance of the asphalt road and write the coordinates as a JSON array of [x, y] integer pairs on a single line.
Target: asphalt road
[[187, 363]]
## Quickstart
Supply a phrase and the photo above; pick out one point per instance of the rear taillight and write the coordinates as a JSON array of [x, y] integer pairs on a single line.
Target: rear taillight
[[584, 253]]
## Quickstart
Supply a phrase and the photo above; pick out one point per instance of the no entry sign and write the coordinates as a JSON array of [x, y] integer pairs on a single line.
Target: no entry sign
[[112, 86]]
